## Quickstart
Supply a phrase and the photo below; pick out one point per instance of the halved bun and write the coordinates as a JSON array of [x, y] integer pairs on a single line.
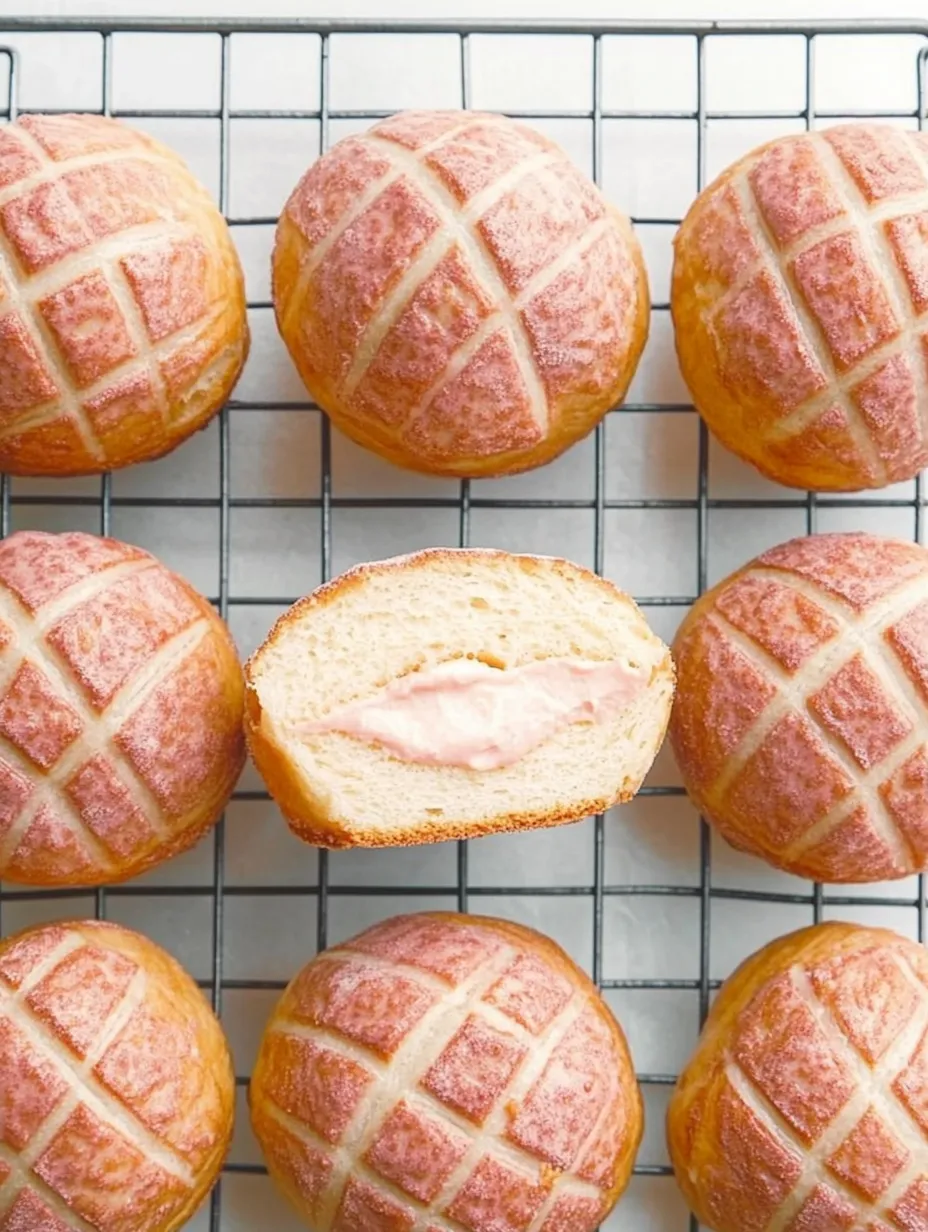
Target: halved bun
[[356, 636]]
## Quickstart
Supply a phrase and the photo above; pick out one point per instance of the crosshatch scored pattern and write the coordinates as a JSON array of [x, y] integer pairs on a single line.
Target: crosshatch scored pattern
[[591, 897]]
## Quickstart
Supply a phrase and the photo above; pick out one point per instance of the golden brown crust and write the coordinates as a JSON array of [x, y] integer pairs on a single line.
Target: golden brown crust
[[523, 319], [121, 723], [799, 724], [118, 1086], [419, 1048], [122, 301], [803, 356], [803, 1105], [308, 817]]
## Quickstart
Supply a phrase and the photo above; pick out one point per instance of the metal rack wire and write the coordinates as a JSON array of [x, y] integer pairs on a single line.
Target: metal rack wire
[[593, 895]]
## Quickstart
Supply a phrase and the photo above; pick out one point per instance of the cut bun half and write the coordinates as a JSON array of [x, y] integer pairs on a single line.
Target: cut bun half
[[353, 639]]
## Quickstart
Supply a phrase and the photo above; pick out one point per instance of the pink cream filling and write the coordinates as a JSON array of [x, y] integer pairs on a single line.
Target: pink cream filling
[[464, 713]]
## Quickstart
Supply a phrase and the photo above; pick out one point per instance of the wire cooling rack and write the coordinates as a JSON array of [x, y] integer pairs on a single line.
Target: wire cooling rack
[[268, 501]]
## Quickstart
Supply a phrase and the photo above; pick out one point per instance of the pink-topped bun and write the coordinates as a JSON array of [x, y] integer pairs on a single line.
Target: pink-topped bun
[[446, 1072], [800, 287], [801, 718], [121, 701], [122, 301], [803, 1106], [116, 1085], [457, 295]]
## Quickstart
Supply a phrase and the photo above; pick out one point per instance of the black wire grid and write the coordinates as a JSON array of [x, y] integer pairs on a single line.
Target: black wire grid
[[590, 896]]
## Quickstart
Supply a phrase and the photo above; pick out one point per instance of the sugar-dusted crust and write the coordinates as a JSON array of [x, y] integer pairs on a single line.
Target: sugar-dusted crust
[[457, 295], [799, 286], [801, 719], [118, 1088], [120, 711], [452, 1067], [804, 1103], [308, 816], [122, 301]]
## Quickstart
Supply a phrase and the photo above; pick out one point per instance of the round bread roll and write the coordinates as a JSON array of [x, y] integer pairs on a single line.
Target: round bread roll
[[801, 719], [454, 693], [457, 295], [116, 1086], [446, 1072], [799, 284], [122, 302], [803, 1108], [121, 701]]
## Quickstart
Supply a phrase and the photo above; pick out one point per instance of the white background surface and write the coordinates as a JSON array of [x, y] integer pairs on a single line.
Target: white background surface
[[649, 170]]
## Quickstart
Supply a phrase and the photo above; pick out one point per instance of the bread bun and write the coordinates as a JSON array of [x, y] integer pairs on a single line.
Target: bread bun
[[800, 279], [801, 719], [116, 1086], [120, 711], [447, 1072], [376, 715], [122, 303], [457, 295], [803, 1108]]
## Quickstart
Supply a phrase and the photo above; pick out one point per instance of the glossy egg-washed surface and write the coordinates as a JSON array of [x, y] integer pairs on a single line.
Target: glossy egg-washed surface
[[121, 703], [805, 1105], [457, 294], [117, 1096], [801, 719], [442, 1072], [122, 311], [800, 290]]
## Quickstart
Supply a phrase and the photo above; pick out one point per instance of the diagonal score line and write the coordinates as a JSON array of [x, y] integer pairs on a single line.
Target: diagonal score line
[[881, 259], [886, 211], [880, 616], [36, 418], [494, 1127], [431, 983], [29, 634], [93, 1093], [98, 730], [872, 1090], [30, 627], [443, 242], [67, 402], [793, 699], [317, 253], [420, 1048], [84, 1089], [812, 1159], [24, 293], [98, 735], [465, 352], [303, 1133], [51, 171], [812, 332], [119, 288], [485, 1139], [874, 217], [875, 1085], [18, 1179], [482, 262], [68, 1104]]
